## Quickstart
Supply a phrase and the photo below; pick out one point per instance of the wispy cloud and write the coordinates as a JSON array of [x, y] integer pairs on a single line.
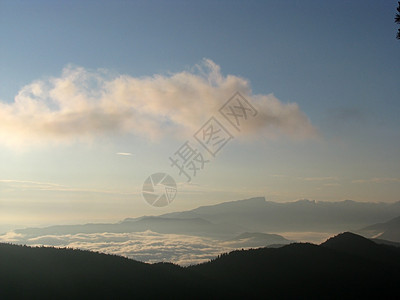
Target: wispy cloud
[[32, 184], [318, 178], [124, 153], [54, 187], [278, 176], [378, 180], [82, 104]]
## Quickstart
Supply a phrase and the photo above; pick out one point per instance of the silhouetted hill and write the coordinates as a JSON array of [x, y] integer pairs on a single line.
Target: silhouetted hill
[[348, 240], [256, 239], [346, 266], [305, 270], [31, 273], [357, 245], [389, 230]]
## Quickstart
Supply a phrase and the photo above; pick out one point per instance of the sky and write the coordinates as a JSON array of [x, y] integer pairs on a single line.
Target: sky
[[95, 96]]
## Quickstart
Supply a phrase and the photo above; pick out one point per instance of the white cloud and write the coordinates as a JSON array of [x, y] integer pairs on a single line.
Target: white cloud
[[124, 153], [145, 246], [149, 246], [82, 104]]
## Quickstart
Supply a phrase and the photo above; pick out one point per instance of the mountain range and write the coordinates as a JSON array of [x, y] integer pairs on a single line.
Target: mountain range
[[194, 236], [250, 215], [257, 214]]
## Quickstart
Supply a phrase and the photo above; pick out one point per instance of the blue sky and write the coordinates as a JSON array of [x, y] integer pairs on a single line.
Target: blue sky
[[338, 61]]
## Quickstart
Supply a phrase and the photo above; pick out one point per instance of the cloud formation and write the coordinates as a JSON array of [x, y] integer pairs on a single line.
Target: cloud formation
[[26, 185], [82, 105], [145, 246]]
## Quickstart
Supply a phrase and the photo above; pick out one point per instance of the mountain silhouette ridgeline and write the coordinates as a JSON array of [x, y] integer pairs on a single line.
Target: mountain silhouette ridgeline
[[389, 231], [229, 219], [345, 266]]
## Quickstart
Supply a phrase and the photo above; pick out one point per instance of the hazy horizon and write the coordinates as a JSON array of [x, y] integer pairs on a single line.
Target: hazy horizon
[[5, 227]]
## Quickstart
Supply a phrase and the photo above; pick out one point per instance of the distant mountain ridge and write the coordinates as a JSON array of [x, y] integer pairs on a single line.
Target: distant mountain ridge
[[257, 239], [228, 219], [389, 230], [160, 224], [257, 214], [346, 266]]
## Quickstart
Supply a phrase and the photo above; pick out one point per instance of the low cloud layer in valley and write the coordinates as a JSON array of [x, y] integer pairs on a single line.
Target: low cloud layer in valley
[[145, 246]]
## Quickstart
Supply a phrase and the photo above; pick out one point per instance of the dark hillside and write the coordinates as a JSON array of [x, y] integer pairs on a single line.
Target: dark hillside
[[345, 266]]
